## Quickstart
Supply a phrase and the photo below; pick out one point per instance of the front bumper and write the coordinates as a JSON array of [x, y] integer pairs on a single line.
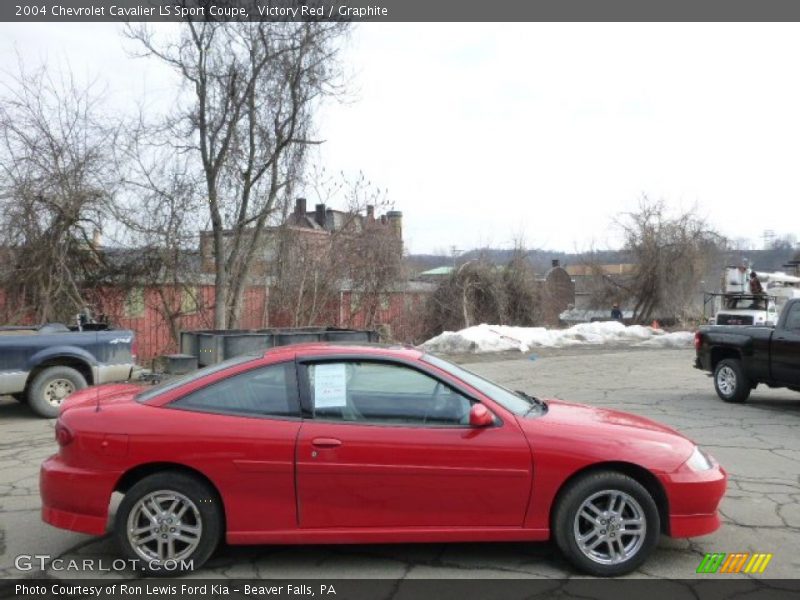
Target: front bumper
[[694, 498], [75, 499]]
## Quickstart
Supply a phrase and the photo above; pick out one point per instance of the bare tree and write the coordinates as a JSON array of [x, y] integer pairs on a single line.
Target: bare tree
[[55, 184], [374, 264], [161, 213], [524, 305], [603, 288], [244, 122], [672, 254], [360, 254]]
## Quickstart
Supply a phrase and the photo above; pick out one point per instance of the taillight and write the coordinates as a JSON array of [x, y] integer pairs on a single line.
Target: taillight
[[698, 340], [134, 349], [64, 436]]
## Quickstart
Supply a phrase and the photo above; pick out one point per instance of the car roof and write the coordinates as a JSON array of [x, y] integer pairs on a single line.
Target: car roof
[[326, 348]]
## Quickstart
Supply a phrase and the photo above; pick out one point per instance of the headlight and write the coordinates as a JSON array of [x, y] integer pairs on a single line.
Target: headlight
[[699, 460]]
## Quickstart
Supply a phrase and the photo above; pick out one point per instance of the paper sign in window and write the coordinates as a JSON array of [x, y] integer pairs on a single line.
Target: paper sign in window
[[330, 386]]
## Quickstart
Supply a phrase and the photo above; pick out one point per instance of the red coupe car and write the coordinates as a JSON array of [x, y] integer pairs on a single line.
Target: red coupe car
[[321, 443]]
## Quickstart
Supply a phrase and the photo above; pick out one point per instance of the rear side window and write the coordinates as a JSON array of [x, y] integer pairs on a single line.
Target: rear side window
[[171, 384], [268, 391]]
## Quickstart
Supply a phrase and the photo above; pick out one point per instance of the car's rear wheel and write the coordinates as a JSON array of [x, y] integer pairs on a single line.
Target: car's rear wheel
[[50, 387], [731, 383], [606, 523], [169, 523]]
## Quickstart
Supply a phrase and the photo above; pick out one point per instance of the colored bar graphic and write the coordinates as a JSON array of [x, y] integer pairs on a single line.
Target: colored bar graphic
[[711, 562], [758, 563], [736, 562]]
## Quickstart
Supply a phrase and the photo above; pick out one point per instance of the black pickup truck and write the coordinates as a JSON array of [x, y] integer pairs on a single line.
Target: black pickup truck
[[741, 357], [43, 365]]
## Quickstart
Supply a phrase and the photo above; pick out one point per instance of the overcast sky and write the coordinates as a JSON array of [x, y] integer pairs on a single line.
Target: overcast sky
[[487, 133]]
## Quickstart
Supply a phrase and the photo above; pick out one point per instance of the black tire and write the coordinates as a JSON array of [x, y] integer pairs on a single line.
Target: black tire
[[730, 381], [166, 487], [44, 392], [567, 525]]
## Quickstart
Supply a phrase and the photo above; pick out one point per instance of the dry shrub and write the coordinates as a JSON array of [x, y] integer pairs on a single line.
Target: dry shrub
[[481, 292]]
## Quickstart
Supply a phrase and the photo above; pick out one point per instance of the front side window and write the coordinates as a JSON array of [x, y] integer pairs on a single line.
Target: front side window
[[267, 391], [383, 393], [509, 400]]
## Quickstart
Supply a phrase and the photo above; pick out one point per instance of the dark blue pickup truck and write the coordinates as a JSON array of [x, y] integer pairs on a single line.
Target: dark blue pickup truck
[[741, 357], [43, 365]]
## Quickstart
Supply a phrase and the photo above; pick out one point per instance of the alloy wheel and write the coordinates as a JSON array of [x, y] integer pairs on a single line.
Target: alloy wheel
[[726, 381], [164, 526], [610, 527]]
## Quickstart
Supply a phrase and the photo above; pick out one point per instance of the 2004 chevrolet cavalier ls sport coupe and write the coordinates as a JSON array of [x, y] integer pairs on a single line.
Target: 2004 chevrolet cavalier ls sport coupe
[[344, 444]]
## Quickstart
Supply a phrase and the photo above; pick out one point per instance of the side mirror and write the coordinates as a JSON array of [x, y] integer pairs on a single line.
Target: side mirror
[[480, 416]]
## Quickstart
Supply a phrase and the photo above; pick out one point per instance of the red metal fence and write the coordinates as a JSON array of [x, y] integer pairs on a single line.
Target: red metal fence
[[157, 314]]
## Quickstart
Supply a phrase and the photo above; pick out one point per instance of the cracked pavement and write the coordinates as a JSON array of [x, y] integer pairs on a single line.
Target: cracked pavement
[[758, 443]]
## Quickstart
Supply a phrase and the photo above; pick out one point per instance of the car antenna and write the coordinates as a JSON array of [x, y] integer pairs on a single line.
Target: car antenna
[[96, 390]]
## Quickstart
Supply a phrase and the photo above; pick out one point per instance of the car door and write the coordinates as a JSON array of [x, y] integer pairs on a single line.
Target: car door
[[785, 348], [390, 445], [240, 431]]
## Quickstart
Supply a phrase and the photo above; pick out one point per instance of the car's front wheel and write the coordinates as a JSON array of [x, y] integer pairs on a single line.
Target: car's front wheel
[[606, 523], [169, 523], [731, 383]]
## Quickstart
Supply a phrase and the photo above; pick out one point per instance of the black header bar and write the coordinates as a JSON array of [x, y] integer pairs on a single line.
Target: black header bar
[[400, 10]]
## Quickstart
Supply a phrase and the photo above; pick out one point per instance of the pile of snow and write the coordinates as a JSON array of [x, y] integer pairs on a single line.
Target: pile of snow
[[676, 339], [499, 338]]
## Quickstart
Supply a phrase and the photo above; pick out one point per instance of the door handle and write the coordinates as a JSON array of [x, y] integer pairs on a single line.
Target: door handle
[[326, 443]]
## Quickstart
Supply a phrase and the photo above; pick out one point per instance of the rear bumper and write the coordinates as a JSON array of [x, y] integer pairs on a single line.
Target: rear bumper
[[113, 373], [694, 498], [702, 361], [74, 521], [75, 499]]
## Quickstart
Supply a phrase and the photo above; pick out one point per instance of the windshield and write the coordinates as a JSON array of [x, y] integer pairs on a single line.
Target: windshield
[[505, 398], [749, 304], [171, 384]]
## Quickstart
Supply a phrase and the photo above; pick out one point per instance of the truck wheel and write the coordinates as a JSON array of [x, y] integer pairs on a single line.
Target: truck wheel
[[49, 388], [731, 383]]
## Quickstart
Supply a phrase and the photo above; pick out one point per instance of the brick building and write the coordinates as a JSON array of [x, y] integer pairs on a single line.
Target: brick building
[[310, 229]]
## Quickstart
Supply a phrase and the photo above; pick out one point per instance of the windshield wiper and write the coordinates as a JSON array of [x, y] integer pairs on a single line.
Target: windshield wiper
[[535, 402]]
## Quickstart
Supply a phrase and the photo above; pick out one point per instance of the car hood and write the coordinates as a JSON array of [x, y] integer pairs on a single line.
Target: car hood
[[585, 414], [600, 434]]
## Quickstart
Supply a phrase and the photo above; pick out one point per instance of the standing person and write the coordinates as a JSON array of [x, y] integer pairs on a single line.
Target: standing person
[[755, 284], [616, 313], [756, 290]]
